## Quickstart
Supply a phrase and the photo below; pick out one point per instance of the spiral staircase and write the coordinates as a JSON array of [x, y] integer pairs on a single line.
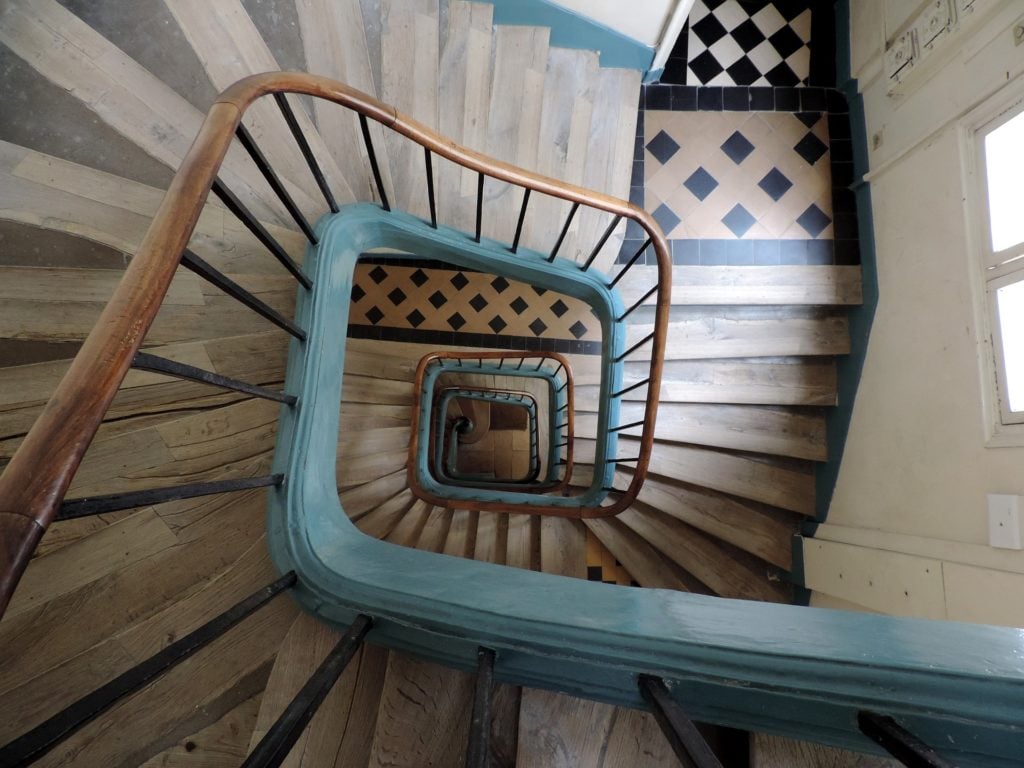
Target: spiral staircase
[[726, 474]]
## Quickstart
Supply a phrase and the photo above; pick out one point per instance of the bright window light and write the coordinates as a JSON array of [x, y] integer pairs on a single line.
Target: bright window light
[[1010, 303], [1004, 161]]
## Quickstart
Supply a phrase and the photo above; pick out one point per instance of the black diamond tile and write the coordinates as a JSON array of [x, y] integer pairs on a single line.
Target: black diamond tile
[[397, 296], [538, 327], [497, 324], [701, 183], [499, 284], [357, 294], [538, 290], [378, 274], [737, 148], [578, 329], [790, 9], [786, 41], [418, 278], [438, 299], [738, 220], [782, 75], [814, 220], [415, 318], [811, 148], [374, 315], [810, 119], [748, 35], [456, 321], [775, 184], [743, 71], [705, 67], [666, 219], [663, 147], [460, 281], [709, 30], [559, 308], [518, 305], [478, 302]]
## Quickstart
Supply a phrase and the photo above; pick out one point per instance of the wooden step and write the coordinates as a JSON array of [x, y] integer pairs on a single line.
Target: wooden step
[[131, 100], [409, 59], [334, 42], [643, 562], [775, 431], [230, 47], [710, 337], [819, 285], [712, 563], [423, 718]]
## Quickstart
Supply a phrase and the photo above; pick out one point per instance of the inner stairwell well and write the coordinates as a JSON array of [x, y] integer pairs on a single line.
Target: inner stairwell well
[[748, 371]]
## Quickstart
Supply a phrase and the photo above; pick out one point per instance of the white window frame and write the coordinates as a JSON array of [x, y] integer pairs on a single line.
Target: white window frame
[[990, 269]]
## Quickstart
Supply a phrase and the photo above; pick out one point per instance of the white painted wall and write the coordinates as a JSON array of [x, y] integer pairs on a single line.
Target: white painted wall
[[642, 20], [907, 531]]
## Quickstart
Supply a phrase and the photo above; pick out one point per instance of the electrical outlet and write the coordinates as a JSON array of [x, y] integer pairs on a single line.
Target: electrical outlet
[[1004, 521], [935, 21]]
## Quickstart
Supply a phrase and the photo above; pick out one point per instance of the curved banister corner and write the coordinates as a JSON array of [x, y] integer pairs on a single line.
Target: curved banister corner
[[35, 481]]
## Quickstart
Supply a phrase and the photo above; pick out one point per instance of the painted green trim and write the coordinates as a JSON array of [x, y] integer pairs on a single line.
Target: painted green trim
[[849, 367], [797, 672], [570, 30]]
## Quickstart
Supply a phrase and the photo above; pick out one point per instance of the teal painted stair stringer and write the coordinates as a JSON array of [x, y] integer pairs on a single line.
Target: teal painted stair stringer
[[789, 670]]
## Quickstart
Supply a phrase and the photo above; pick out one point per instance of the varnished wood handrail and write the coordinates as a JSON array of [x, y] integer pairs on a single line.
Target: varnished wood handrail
[[38, 475]]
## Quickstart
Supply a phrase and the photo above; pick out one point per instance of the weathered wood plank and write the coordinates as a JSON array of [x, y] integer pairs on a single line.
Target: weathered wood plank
[[435, 530], [131, 100], [563, 545], [558, 731], [799, 434], [819, 285], [703, 557], [643, 562], [724, 337], [461, 539], [637, 741], [360, 500], [417, 697], [409, 528], [379, 522], [115, 547]]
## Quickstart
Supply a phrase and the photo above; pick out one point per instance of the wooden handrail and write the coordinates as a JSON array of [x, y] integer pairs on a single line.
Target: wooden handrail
[[38, 475]]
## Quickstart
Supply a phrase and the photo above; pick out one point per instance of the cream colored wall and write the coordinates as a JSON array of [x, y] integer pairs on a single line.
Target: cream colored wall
[[907, 529], [642, 20]]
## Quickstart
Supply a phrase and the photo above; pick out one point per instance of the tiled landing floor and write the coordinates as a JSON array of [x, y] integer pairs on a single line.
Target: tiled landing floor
[[739, 183]]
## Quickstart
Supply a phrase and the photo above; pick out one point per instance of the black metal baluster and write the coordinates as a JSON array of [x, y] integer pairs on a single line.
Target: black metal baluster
[[195, 264], [564, 232], [147, 362], [300, 139], [479, 205], [631, 262], [368, 142], [98, 505], [522, 218], [631, 387], [601, 242], [249, 143], [627, 426], [634, 348], [629, 311], [41, 739], [253, 225], [278, 741], [899, 742], [479, 748], [618, 460], [686, 741], [430, 188]]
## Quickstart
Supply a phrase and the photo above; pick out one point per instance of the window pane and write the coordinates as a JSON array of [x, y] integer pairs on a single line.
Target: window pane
[[1010, 302], [1004, 161]]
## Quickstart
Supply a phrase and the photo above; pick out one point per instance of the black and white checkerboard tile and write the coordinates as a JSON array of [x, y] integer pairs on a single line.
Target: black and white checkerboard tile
[[753, 42]]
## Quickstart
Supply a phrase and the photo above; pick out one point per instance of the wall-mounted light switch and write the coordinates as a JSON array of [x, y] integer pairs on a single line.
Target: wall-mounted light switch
[[1004, 521]]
